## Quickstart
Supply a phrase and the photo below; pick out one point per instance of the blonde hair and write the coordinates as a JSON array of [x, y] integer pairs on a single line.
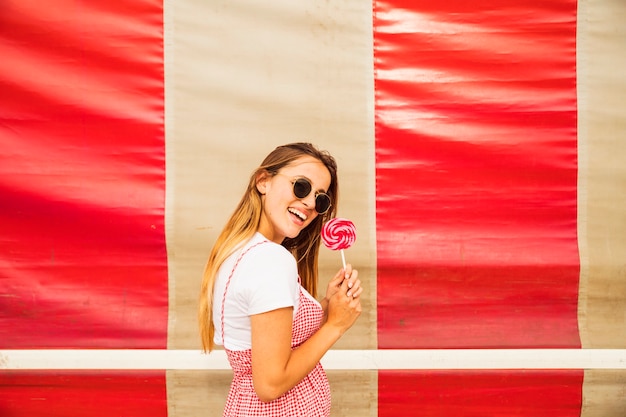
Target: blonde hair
[[244, 223]]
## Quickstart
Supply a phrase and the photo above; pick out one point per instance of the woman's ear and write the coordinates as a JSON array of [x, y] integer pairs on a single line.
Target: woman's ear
[[261, 182]]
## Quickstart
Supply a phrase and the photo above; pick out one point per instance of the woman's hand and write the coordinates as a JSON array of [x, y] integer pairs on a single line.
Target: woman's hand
[[351, 276], [344, 303]]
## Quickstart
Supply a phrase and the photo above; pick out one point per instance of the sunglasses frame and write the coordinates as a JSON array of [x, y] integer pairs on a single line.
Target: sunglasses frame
[[309, 187]]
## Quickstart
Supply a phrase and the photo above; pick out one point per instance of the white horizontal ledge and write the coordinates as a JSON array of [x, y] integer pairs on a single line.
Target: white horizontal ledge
[[143, 359]]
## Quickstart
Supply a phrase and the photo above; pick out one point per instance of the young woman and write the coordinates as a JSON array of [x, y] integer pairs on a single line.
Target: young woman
[[257, 296]]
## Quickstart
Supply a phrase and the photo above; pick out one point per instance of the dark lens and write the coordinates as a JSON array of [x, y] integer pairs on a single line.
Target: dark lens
[[301, 188], [322, 203]]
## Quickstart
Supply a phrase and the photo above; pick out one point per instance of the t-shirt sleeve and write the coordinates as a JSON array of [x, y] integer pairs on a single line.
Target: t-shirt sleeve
[[269, 279]]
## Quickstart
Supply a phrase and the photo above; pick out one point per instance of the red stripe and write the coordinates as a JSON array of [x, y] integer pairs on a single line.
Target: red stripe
[[480, 393], [476, 174], [82, 177], [81, 394], [476, 167]]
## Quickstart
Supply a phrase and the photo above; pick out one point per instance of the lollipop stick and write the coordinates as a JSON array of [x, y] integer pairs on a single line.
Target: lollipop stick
[[343, 260]]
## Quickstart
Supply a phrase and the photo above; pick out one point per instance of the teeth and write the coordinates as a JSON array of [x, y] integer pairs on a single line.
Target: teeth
[[298, 213]]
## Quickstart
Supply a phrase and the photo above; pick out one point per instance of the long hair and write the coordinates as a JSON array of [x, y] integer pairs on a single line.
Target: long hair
[[244, 223]]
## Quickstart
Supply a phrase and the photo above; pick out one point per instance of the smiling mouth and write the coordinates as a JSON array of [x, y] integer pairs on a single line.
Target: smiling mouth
[[298, 214]]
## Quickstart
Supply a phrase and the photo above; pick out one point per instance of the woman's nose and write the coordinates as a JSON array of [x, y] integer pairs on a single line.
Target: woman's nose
[[309, 200]]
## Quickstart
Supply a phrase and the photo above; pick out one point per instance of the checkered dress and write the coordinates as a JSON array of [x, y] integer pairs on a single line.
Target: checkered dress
[[309, 398]]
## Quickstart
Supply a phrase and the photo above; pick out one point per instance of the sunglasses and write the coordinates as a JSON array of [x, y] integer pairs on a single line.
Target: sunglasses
[[302, 188]]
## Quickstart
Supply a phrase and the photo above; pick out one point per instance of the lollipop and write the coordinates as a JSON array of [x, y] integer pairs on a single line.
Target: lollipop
[[339, 234]]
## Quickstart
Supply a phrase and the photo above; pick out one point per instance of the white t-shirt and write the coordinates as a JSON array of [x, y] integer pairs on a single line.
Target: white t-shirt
[[265, 279]]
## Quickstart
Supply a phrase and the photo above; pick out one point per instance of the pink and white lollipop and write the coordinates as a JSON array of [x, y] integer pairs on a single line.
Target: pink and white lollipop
[[339, 234]]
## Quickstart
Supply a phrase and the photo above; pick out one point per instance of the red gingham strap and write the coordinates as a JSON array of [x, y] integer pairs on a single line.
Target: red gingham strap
[[228, 282]]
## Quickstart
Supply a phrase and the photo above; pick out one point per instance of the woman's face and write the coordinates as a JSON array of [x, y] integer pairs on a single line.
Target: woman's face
[[285, 215]]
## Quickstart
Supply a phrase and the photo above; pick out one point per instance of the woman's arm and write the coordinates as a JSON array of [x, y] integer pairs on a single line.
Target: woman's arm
[[275, 367]]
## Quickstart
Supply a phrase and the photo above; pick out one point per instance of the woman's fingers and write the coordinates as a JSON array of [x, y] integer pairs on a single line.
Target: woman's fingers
[[352, 276], [354, 287], [354, 293], [347, 270], [343, 310], [343, 294], [334, 285], [337, 279]]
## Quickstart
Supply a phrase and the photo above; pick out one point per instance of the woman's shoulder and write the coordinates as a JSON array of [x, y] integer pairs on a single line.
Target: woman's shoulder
[[266, 261], [260, 247], [259, 252]]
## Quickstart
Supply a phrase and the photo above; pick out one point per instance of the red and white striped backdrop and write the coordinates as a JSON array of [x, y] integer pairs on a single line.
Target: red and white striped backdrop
[[480, 159]]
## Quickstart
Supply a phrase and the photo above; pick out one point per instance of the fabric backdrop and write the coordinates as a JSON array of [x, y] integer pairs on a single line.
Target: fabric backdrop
[[480, 158]]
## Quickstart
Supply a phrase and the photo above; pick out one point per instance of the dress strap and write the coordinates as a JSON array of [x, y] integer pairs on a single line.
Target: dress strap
[[230, 277]]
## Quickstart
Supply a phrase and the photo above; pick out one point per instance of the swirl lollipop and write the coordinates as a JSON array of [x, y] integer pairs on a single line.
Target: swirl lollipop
[[339, 234]]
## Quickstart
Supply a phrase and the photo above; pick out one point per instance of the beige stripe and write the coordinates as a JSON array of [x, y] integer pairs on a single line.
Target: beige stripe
[[197, 393], [203, 393], [354, 393], [602, 196], [602, 172], [241, 78], [604, 393]]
